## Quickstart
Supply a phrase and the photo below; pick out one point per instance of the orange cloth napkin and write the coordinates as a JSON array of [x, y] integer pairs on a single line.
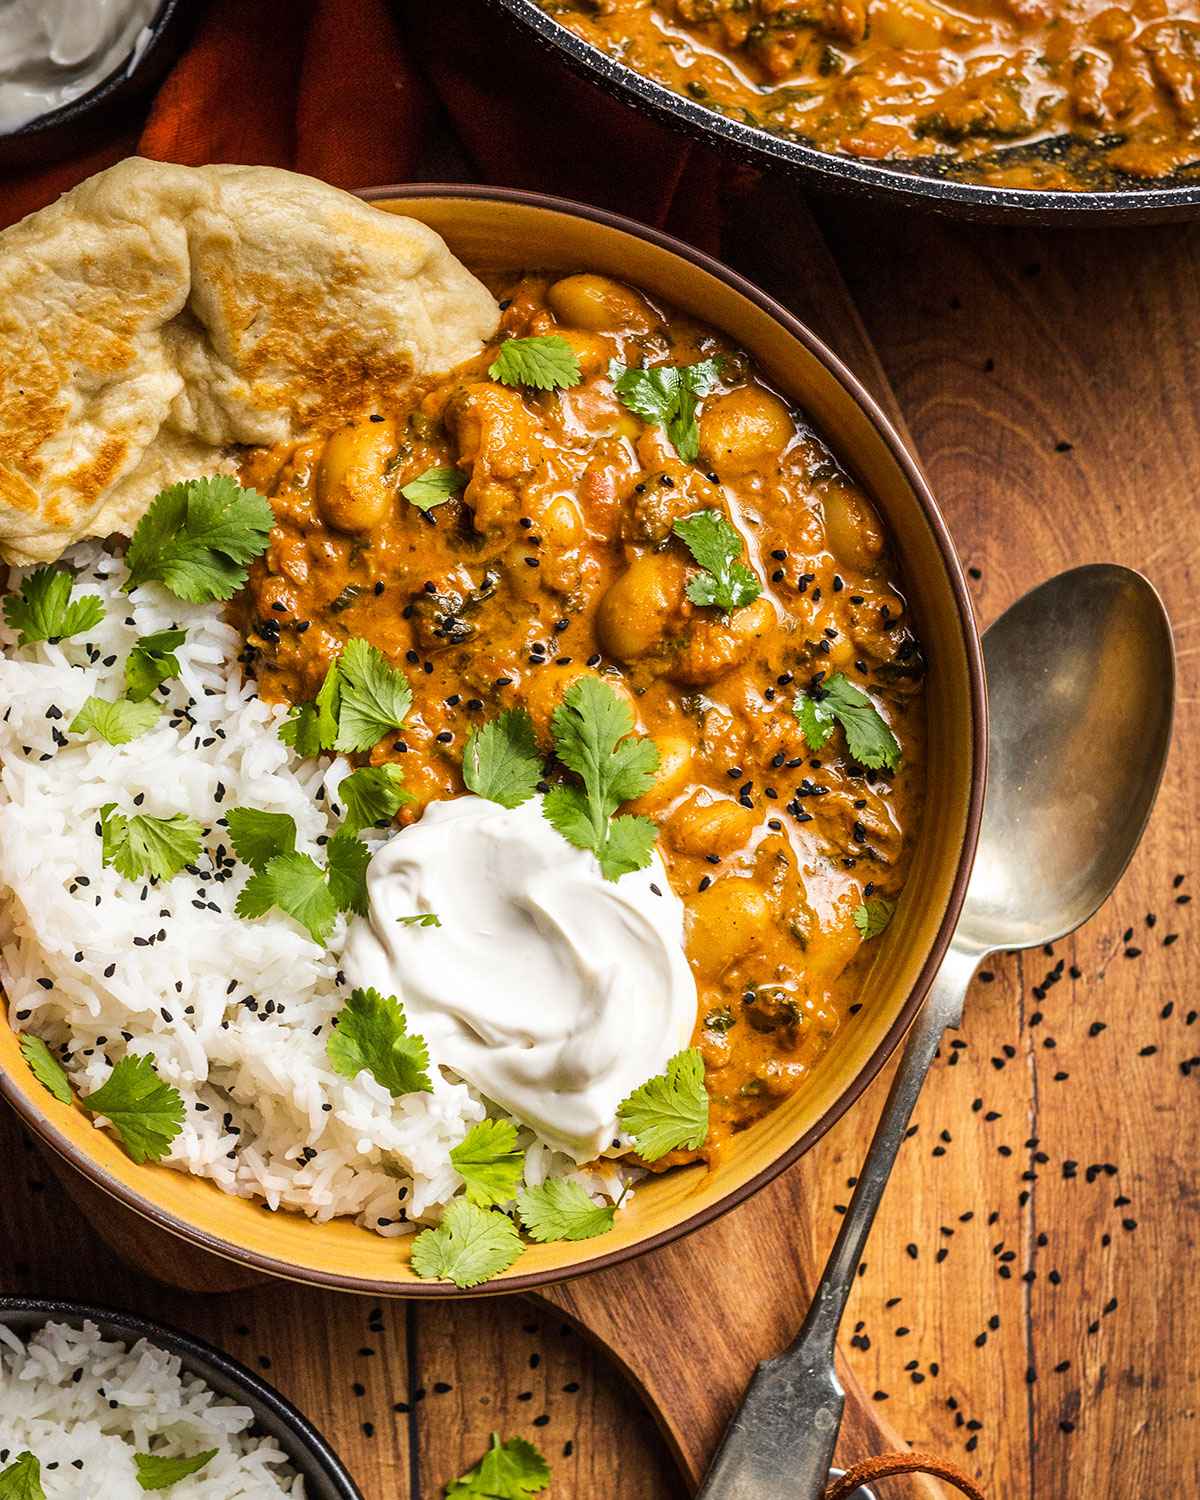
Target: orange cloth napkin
[[351, 90]]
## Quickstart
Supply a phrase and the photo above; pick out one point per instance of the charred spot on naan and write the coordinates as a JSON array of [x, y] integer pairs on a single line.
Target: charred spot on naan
[[157, 313]]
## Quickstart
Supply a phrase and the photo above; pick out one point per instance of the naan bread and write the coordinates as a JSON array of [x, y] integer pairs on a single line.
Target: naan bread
[[156, 315]]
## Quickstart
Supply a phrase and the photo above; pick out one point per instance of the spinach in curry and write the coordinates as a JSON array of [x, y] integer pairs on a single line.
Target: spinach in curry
[[904, 79], [556, 555]]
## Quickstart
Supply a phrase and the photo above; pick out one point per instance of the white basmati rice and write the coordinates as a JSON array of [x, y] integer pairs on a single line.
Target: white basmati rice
[[83, 1406], [234, 1013]]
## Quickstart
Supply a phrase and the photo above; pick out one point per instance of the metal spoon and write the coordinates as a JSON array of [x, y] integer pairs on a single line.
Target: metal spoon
[[1081, 687]]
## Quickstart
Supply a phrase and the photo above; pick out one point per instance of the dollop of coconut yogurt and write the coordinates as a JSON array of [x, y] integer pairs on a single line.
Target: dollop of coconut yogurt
[[52, 51], [553, 991]]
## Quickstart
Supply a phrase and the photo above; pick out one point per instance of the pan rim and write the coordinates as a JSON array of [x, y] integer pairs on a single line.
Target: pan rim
[[846, 173]]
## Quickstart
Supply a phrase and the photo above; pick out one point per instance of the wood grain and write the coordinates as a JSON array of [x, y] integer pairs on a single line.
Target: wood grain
[[1003, 1237], [309, 1346], [676, 1324], [688, 1325], [1049, 382], [376, 1377]]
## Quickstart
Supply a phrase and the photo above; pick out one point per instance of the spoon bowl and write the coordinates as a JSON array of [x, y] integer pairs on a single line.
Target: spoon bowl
[[1081, 693], [1081, 674]]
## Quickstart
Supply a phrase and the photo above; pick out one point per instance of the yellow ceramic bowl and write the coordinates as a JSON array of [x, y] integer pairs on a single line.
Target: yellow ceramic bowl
[[499, 229]]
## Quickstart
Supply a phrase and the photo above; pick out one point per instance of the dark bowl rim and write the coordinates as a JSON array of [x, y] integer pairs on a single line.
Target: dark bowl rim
[[203, 1359], [688, 1223], [911, 188], [72, 110]]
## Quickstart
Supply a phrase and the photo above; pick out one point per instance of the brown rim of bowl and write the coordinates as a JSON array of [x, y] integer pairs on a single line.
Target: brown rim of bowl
[[978, 694]]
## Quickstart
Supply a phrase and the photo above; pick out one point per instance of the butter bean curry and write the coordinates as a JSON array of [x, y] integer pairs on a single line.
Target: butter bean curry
[[556, 555], [1089, 92]]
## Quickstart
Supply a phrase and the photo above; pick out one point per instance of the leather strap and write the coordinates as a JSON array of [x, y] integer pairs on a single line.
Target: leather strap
[[889, 1464]]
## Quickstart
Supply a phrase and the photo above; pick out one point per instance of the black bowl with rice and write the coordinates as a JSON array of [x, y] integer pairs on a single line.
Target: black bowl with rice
[[64, 1366]]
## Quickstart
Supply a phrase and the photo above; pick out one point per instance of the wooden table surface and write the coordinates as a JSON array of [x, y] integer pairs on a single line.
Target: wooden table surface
[[1027, 1301]]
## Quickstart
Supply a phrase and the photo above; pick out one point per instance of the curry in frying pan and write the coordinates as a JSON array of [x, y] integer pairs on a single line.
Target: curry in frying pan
[[1091, 93]]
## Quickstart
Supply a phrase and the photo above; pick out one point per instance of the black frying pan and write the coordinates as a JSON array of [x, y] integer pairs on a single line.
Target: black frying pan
[[919, 184]]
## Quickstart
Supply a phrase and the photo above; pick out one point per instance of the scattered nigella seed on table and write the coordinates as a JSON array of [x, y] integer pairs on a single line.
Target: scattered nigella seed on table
[[1160, 1013]]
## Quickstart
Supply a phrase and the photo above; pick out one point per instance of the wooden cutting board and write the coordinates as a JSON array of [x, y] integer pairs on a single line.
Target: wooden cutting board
[[1050, 378], [688, 1324]]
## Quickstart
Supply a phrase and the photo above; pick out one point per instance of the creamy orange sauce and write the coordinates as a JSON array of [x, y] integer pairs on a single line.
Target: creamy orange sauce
[[558, 559], [903, 79]]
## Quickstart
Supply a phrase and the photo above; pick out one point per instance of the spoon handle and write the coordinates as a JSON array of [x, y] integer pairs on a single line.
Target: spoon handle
[[780, 1444]]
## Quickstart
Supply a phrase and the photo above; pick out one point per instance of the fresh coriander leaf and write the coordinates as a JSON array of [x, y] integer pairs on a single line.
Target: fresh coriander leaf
[[142, 846], [470, 1245], [295, 884], [433, 487], [592, 737], [873, 915], [299, 730], [372, 795], [362, 697], [562, 1210], [488, 1161], [629, 846], [421, 919], [118, 722], [372, 1034], [666, 396], [868, 738], [158, 1473], [328, 704], [567, 810], [544, 362], [152, 661], [375, 696], [507, 1471], [716, 546], [197, 538], [669, 1111], [348, 858], [22, 1480], [258, 836], [146, 1113], [46, 1068], [43, 609], [682, 427], [649, 394], [817, 721], [312, 727], [502, 761]]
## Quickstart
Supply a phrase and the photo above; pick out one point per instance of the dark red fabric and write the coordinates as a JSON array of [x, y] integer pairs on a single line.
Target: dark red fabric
[[349, 90]]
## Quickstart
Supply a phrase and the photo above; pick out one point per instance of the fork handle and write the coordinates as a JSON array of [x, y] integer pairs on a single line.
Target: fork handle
[[780, 1444]]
